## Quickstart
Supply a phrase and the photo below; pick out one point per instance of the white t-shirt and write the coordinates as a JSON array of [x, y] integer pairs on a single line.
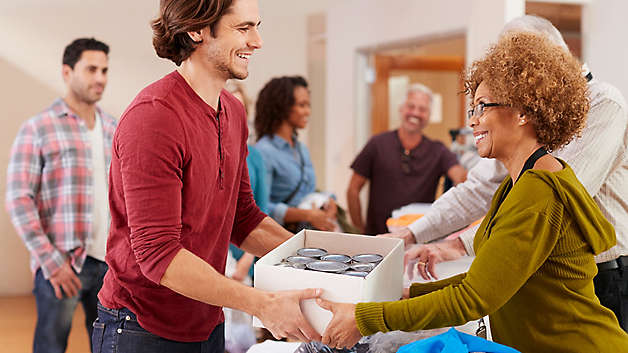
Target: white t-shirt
[[100, 209]]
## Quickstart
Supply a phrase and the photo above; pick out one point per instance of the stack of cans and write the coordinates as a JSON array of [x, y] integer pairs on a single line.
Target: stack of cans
[[317, 259]]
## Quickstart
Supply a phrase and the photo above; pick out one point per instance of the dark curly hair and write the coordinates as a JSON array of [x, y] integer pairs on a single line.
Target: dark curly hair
[[274, 103], [176, 18], [528, 72], [74, 50]]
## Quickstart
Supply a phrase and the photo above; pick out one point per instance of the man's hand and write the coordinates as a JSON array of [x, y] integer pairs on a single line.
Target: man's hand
[[342, 331], [65, 278], [405, 234], [428, 255], [281, 315]]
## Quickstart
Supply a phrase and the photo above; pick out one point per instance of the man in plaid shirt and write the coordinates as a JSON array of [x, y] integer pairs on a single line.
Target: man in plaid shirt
[[57, 195]]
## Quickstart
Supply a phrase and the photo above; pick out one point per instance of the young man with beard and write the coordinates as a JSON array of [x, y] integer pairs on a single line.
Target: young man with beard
[[403, 166], [57, 195], [180, 193]]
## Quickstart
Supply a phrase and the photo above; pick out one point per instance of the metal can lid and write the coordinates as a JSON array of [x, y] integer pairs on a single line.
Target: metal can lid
[[371, 258], [299, 259], [337, 258], [327, 266], [356, 273], [299, 266], [312, 252], [363, 266]]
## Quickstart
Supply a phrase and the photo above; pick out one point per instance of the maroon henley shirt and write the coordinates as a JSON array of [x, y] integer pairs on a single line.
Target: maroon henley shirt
[[178, 180]]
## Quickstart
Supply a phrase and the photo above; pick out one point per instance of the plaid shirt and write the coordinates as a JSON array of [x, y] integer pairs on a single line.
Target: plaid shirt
[[50, 186]]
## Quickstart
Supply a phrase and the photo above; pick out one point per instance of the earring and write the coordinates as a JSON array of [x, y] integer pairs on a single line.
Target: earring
[[522, 119]]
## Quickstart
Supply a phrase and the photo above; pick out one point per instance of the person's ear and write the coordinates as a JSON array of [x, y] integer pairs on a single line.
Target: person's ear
[[196, 36], [66, 71]]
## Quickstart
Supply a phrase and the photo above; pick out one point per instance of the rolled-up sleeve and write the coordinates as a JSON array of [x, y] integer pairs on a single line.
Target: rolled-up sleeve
[[462, 204], [150, 149], [23, 182]]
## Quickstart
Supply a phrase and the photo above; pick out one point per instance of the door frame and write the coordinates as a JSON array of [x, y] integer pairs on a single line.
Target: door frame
[[384, 64]]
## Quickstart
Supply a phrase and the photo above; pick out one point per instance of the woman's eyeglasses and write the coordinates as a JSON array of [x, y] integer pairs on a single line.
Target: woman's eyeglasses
[[478, 110]]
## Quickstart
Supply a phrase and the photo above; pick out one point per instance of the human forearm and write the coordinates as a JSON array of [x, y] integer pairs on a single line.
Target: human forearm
[[318, 218], [502, 267], [246, 260], [265, 237], [280, 312], [355, 208], [25, 218], [434, 310], [294, 214], [461, 205], [242, 267], [419, 289], [26, 221], [24, 175], [188, 275]]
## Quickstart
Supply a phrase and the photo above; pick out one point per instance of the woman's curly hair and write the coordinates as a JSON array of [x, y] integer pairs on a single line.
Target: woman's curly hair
[[528, 72], [274, 103], [176, 18]]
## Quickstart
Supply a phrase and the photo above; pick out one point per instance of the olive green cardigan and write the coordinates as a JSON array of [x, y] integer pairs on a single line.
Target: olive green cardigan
[[533, 274]]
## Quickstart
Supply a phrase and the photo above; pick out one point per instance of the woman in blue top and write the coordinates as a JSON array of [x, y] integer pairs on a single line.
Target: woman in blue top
[[257, 178], [283, 106]]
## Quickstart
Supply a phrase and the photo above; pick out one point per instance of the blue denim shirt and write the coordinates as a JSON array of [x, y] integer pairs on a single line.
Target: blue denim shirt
[[283, 168], [257, 178]]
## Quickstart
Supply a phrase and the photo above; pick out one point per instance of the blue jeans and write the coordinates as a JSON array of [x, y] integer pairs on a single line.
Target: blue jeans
[[54, 316], [117, 331]]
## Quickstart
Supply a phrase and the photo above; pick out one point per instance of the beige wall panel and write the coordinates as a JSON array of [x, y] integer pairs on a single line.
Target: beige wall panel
[[23, 97]]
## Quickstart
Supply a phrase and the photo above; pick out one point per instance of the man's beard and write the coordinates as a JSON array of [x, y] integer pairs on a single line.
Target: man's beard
[[84, 97], [229, 73]]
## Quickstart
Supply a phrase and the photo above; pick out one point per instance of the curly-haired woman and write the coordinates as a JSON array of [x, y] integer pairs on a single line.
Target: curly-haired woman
[[533, 272], [283, 106]]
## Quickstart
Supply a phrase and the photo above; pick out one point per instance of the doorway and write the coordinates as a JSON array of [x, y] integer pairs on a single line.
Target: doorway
[[438, 64]]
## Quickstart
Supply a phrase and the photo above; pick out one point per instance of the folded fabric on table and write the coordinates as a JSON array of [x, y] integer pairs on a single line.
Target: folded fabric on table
[[454, 341]]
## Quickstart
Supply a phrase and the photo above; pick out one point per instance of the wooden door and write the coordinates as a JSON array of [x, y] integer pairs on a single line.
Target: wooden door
[[385, 64]]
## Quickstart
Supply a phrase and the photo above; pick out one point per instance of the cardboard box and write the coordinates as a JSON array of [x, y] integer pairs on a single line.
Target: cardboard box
[[384, 283]]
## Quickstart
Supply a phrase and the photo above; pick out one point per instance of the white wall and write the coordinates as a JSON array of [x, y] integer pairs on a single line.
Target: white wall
[[487, 18], [357, 25], [22, 95], [604, 29], [34, 40], [35, 32]]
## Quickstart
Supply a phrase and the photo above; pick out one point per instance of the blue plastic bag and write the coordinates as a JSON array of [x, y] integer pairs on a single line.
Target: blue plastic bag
[[454, 341]]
